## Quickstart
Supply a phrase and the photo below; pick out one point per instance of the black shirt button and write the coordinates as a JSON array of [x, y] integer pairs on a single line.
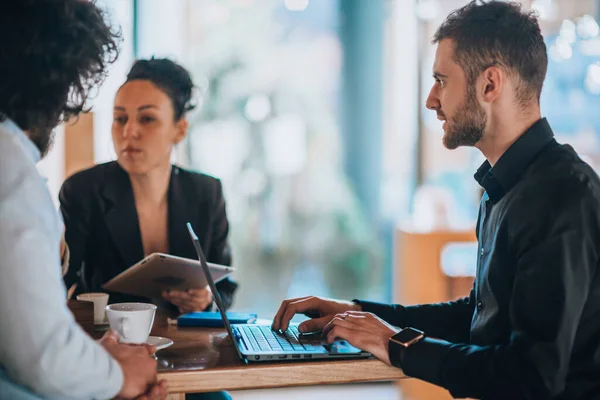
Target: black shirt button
[[480, 306]]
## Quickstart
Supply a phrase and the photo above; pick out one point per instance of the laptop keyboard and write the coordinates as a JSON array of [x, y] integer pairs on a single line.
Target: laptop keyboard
[[263, 338]]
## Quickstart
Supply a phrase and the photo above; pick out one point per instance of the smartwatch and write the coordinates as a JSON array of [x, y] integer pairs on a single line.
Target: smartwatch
[[400, 342]]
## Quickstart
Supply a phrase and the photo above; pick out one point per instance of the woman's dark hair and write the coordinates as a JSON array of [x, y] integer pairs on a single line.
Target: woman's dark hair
[[169, 77], [493, 32], [52, 52]]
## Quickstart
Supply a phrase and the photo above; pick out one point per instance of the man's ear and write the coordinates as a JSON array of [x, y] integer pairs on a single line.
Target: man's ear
[[181, 127], [492, 81]]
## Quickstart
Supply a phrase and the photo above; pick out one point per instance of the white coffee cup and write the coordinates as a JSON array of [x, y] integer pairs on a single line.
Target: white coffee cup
[[132, 321], [100, 301]]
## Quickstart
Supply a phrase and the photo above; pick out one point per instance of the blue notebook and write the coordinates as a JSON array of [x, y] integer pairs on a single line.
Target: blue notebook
[[213, 319]]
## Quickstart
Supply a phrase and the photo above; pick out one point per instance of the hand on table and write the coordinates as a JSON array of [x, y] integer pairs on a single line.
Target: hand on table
[[363, 330], [190, 300], [322, 311], [158, 391], [139, 369]]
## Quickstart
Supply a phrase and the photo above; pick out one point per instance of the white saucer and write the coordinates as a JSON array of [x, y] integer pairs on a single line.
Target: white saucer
[[159, 342]]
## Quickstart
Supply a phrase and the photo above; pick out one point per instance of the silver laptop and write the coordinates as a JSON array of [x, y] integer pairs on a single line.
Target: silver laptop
[[254, 342]]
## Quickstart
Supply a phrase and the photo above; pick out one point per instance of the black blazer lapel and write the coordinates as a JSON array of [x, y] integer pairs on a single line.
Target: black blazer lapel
[[121, 216], [184, 205]]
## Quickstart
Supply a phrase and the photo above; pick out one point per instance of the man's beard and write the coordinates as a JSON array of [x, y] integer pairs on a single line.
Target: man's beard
[[42, 138], [468, 125]]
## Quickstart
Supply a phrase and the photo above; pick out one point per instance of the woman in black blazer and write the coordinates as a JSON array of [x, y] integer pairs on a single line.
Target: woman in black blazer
[[117, 213]]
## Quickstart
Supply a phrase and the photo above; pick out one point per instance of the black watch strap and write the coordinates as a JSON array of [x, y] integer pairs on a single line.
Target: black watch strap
[[396, 353], [398, 344]]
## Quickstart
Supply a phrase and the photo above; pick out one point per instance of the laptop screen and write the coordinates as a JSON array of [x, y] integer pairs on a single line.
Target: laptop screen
[[211, 282]]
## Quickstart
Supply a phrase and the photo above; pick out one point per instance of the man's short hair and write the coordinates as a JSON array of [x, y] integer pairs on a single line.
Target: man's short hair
[[495, 32], [52, 52]]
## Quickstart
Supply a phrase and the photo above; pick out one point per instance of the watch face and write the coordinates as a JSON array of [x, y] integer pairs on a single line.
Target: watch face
[[407, 334]]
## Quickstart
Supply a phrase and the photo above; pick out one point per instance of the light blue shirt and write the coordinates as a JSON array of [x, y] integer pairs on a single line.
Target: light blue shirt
[[41, 346]]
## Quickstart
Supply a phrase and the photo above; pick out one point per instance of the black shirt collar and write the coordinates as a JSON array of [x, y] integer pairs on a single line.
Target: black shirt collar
[[497, 181]]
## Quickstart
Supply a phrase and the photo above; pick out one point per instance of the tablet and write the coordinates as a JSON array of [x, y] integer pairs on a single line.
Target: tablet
[[158, 272]]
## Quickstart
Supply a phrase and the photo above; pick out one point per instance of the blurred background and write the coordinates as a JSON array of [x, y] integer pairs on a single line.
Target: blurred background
[[312, 114]]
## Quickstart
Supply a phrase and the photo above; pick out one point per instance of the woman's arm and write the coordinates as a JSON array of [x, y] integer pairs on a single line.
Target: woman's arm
[[76, 220], [220, 252], [217, 252], [64, 254]]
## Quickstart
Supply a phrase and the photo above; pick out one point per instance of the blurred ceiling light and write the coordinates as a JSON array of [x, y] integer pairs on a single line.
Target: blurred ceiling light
[[568, 31], [561, 50], [296, 5], [546, 9], [587, 27], [590, 48], [427, 10], [257, 108], [592, 78]]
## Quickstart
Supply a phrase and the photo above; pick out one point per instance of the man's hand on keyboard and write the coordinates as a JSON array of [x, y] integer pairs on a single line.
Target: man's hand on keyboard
[[364, 330], [321, 310]]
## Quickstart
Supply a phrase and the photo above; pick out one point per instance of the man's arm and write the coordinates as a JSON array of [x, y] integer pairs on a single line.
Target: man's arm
[[42, 347], [555, 267], [449, 321]]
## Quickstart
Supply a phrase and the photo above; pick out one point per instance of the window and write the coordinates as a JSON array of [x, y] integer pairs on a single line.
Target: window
[[270, 80]]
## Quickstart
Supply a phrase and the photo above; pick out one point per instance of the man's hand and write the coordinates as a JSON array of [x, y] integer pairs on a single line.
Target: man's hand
[[189, 301], [159, 391], [363, 330], [320, 309], [139, 369]]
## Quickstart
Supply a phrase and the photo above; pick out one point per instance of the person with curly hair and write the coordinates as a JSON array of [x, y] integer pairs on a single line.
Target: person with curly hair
[[118, 212], [51, 54]]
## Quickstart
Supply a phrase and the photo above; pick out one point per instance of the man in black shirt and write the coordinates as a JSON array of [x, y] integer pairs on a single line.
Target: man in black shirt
[[530, 328]]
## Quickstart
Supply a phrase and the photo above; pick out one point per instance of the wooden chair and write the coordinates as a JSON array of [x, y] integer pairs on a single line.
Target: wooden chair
[[419, 279]]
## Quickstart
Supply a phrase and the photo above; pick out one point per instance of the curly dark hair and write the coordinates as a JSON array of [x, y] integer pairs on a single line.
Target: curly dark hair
[[169, 77], [496, 32], [52, 53]]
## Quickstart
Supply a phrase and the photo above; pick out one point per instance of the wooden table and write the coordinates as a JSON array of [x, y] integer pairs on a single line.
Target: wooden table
[[204, 360]]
